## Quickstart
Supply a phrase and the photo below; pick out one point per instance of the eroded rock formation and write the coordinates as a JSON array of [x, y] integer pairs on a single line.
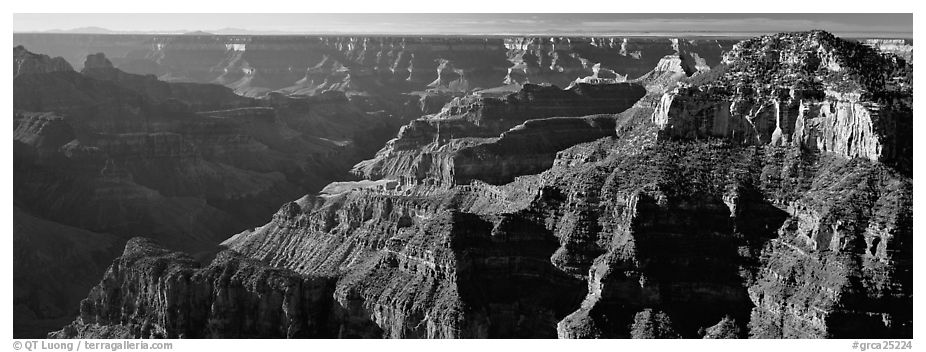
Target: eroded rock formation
[[808, 89], [150, 292], [688, 212]]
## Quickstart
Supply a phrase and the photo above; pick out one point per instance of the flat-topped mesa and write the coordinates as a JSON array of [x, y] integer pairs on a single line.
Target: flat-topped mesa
[[806, 89], [25, 62], [142, 293], [465, 130]]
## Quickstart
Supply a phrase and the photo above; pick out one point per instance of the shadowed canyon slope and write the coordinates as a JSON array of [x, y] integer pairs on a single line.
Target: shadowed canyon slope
[[659, 188], [108, 154]]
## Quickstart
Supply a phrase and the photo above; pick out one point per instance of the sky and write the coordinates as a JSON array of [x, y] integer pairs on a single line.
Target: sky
[[475, 24]]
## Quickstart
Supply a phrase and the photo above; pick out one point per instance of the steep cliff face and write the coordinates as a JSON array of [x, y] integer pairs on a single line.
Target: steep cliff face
[[808, 89], [670, 220], [842, 264]]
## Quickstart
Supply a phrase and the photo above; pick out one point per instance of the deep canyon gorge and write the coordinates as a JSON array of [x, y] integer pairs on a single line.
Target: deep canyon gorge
[[221, 186]]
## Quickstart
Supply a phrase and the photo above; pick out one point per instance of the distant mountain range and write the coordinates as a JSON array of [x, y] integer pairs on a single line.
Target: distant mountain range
[[242, 31]]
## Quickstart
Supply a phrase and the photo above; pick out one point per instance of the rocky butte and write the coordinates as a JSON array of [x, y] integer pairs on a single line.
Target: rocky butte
[[768, 195]]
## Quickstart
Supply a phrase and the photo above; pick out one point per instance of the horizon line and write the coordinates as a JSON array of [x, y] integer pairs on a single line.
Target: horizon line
[[194, 33]]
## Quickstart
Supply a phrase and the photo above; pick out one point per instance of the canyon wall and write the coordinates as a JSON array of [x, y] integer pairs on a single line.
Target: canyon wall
[[769, 196]]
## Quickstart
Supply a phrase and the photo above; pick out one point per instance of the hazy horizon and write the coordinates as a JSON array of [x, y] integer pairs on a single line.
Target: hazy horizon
[[854, 24]]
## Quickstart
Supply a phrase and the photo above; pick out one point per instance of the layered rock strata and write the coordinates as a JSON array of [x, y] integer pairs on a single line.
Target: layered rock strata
[[496, 139], [811, 90], [682, 221], [256, 65]]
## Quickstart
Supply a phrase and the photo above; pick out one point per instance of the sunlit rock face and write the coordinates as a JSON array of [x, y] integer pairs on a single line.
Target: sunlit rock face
[[810, 90], [670, 205]]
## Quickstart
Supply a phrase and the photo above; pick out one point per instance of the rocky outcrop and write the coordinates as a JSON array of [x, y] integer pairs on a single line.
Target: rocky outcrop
[[150, 292], [842, 264], [652, 325], [784, 281], [25, 62], [419, 269], [809, 89], [727, 328]]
